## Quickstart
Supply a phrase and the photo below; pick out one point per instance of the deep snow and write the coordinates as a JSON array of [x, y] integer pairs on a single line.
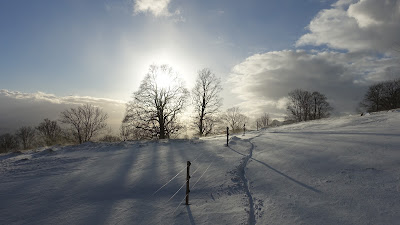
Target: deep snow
[[333, 171]]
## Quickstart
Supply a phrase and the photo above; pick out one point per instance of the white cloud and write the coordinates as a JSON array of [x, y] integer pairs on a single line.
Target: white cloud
[[365, 25], [362, 28], [21, 109], [159, 8], [263, 80]]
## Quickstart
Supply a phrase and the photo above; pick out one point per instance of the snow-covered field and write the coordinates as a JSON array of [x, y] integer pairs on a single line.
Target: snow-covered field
[[333, 171]]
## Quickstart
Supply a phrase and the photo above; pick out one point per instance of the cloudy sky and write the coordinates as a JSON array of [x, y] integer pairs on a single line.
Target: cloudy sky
[[57, 54]]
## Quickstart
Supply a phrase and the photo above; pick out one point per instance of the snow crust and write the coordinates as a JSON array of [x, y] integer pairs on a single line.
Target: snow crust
[[333, 171]]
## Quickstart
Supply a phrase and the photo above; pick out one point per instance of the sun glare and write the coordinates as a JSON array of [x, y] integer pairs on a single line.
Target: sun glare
[[163, 80]]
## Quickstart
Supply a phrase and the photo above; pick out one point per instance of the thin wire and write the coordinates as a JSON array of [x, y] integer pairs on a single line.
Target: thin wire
[[200, 154], [193, 186], [182, 185], [169, 180], [202, 174], [177, 174]]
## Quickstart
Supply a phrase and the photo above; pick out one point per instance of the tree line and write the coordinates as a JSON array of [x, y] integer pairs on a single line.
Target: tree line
[[82, 123], [157, 106]]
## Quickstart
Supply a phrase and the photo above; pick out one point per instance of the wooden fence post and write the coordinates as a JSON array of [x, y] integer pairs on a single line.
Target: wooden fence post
[[227, 136], [187, 182]]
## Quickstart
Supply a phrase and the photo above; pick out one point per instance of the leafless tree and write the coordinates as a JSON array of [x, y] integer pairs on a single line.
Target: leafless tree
[[50, 132], [8, 142], [206, 101], [382, 96], [235, 119], [304, 106], [263, 121], [320, 108], [85, 121], [26, 134], [155, 107]]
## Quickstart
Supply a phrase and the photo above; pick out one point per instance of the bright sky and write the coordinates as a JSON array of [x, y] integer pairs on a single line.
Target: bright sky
[[100, 50]]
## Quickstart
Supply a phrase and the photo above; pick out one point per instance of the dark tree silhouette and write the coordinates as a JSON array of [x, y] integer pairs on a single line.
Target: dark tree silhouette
[[26, 134], [50, 132], [304, 106], [85, 121], [155, 107], [382, 96], [206, 101], [8, 142]]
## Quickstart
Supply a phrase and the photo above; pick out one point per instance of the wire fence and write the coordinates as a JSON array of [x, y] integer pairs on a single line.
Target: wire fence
[[180, 187], [192, 175]]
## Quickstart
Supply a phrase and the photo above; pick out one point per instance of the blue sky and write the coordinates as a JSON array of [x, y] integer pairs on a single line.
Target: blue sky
[[78, 50], [82, 47]]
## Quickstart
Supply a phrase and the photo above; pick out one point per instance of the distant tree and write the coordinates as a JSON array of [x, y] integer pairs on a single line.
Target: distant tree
[[304, 106], [391, 94], [26, 135], [155, 107], [320, 108], [206, 101], [263, 121], [50, 132], [85, 121], [235, 119], [382, 96], [8, 142], [373, 98]]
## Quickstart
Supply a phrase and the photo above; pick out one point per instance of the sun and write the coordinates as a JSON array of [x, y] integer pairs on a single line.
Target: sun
[[163, 79]]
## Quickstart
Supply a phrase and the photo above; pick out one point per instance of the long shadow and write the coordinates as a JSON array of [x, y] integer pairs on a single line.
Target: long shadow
[[106, 194], [345, 133], [236, 151], [191, 219], [288, 177]]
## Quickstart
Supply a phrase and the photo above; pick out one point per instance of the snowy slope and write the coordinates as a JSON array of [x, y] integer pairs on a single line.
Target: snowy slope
[[334, 171]]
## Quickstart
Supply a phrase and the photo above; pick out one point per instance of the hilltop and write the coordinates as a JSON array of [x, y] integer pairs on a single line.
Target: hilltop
[[332, 171]]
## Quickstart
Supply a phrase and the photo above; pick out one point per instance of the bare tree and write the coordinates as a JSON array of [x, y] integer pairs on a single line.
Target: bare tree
[[8, 142], [382, 96], [155, 107], [50, 132], [235, 118], [85, 121], [304, 105], [263, 121], [26, 134], [206, 101], [320, 108]]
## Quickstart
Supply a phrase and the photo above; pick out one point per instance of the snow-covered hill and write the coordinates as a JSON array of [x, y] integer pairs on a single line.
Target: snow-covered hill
[[333, 171]]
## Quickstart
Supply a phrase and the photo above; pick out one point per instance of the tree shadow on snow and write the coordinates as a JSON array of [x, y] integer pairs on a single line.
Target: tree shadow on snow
[[288, 177]]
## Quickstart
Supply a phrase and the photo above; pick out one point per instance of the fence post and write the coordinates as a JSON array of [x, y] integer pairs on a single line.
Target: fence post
[[187, 182], [227, 135]]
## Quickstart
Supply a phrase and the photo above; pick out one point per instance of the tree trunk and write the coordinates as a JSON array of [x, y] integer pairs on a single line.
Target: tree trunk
[[162, 124]]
